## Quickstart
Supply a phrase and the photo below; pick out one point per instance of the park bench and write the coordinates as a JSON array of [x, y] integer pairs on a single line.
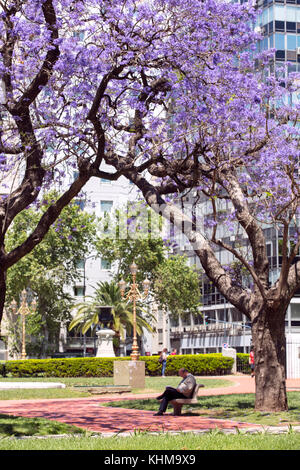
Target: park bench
[[178, 403]]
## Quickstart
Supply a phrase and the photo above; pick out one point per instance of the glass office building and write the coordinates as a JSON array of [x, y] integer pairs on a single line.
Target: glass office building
[[279, 22]]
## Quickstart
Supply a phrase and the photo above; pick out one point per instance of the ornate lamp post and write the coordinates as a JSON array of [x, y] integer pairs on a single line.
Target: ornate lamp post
[[23, 310], [134, 294]]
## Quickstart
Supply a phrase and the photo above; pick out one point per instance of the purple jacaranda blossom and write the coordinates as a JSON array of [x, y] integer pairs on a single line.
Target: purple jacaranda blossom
[[164, 89]]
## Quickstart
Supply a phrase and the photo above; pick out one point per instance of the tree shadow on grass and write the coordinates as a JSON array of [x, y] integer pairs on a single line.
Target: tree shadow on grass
[[227, 402], [20, 426]]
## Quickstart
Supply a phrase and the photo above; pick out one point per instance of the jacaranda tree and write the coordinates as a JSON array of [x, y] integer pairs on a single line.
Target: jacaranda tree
[[170, 94], [69, 73]]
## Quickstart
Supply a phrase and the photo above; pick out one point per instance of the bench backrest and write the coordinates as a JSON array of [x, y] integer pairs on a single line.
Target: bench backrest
[[195, 392]]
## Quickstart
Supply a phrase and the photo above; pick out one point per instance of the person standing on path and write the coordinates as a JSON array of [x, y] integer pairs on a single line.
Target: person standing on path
[[251, 361], [163, 361]]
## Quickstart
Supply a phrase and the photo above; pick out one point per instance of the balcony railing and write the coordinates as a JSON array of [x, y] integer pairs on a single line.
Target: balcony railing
[[232, 329], [79, 341]]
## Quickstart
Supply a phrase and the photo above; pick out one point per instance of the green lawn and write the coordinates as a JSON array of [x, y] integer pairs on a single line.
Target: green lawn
[[238, 407], [19, 426], [214, 440], [153, 385]]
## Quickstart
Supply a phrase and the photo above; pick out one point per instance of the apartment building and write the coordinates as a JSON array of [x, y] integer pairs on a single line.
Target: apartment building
[[100, 197]]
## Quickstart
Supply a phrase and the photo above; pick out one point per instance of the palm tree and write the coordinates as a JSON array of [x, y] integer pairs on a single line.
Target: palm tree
[[108, 293]]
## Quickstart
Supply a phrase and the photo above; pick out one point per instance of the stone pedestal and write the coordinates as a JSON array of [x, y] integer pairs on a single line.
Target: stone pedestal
[[105, 343], [230, 352], [130, 373]]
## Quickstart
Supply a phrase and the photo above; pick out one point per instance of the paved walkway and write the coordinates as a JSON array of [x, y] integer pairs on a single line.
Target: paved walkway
[[86, 412]]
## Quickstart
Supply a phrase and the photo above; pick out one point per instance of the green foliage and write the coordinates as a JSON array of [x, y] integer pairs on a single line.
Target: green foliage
[[2, 368], [243, 362], [108, 293], [214, 440], [177, 286], [198, 364], [135, 235], [132, 234], [66, 242], [45, 272]]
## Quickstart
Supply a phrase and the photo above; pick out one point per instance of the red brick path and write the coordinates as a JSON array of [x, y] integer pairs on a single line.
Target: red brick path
[[86, 412]]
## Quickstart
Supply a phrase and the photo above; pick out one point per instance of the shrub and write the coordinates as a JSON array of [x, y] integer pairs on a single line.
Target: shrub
[[198, 364], [2, 368], [243, 363]]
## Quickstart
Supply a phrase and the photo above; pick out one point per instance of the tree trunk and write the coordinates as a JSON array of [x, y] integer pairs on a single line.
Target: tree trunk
[[268, 336], [2, 293]]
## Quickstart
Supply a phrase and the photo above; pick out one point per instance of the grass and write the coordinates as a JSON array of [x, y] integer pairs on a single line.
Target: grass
[[237, 407], [19, 426], [213, 440], [153, 385]]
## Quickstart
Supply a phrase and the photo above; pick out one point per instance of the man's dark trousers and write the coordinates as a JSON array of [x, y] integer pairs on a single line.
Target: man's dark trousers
[[169, 394]]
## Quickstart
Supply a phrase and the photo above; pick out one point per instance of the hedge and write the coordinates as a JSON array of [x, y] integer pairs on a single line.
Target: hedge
[[197, 364], [243, 363]]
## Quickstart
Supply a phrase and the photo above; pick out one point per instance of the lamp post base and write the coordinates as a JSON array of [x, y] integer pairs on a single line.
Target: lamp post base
[[135, 356]]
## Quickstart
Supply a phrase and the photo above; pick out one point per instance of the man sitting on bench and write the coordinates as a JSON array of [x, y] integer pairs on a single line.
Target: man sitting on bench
[[184, 390]]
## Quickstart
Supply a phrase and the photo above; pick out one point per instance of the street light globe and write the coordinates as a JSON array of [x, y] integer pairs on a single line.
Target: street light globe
[[133, 268], [24, 295], [146, 285], [14, 306], [34, 305], [122, 285]]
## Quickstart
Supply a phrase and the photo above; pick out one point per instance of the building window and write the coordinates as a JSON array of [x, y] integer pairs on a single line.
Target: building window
[[105, 264], [80, 264], [106, 206], [104, 180], [279, 26], [186, 351], [291, 42], [280, 55], [198, 319], [270, 27], [291, 56], [291, 13], [186, 320], [295, 315], [79, 291], [160, 336], [290, 27]]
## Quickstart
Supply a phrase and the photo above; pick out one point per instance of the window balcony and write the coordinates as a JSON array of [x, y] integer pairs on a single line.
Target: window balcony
[[79, 341]]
